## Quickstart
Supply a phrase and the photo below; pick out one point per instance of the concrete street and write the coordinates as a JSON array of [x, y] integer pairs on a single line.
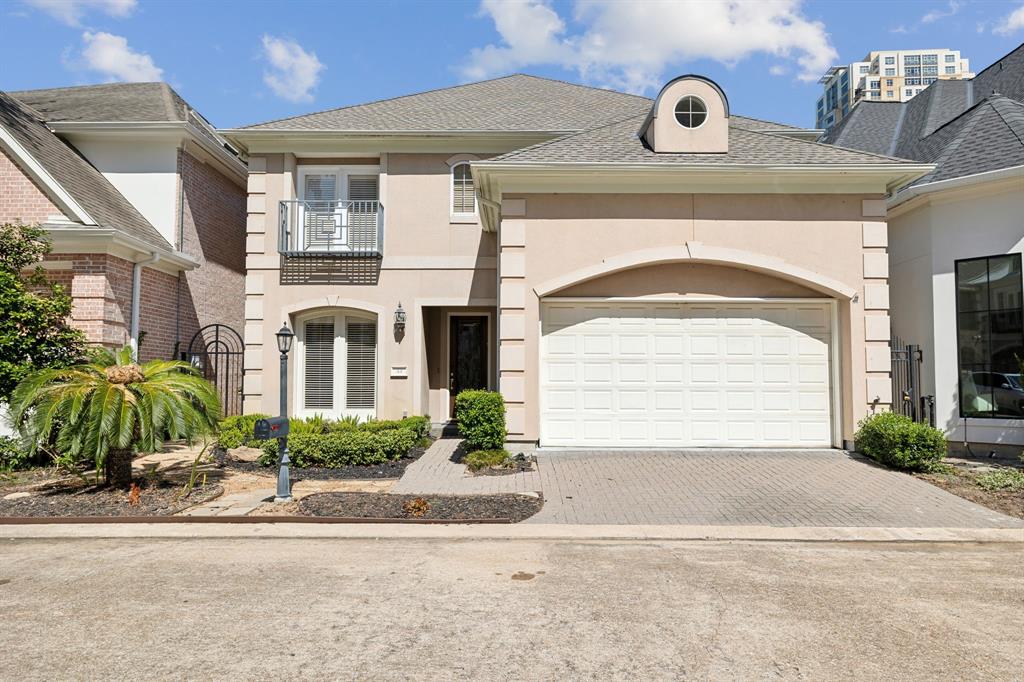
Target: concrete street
[[277, 608]]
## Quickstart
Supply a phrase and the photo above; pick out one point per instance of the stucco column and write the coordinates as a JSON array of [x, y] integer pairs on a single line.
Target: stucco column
[[512, 314]]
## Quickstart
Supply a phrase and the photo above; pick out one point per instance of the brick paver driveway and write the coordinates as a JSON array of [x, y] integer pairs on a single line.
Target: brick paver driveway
[[712, 487]]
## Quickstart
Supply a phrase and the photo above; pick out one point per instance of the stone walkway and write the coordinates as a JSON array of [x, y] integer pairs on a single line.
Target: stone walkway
[[232, 504], [794, 488]]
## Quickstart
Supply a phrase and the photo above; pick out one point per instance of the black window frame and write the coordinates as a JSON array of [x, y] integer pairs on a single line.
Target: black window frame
[[989, 310]]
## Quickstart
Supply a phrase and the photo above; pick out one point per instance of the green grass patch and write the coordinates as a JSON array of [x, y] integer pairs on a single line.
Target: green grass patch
[[482, 459]]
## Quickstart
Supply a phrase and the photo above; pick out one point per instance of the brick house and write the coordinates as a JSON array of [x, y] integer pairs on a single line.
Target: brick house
[[143, 201]]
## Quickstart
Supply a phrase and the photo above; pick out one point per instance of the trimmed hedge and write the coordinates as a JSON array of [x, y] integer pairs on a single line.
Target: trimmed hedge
[[238, 431], [899, 442], [343, 448], [418, 425], [481, 419]]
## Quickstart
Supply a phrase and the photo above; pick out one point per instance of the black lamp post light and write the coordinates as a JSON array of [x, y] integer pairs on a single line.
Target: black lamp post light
[[284, 344], [399, 320]]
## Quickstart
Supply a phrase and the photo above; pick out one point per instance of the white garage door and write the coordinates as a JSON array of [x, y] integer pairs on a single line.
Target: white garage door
[[685, 374]]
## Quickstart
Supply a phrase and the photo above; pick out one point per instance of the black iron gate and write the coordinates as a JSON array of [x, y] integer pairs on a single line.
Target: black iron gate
[[217, 351], [906, 383]]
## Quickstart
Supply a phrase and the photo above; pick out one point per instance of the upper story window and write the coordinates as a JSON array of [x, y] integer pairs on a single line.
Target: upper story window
[[336, 211], [930, 71], [930, 59], [950, 70], [691, 112], [990, 336], [890, 60], [463, 192], [912, 59], [864, 69], [950, 58], [890, 72]]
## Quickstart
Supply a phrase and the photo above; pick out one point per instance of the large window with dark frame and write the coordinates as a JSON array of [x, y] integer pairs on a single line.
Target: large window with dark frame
[[990, 336]]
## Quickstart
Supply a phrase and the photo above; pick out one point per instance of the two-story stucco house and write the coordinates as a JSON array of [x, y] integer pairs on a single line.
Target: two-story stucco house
[[628, 272]]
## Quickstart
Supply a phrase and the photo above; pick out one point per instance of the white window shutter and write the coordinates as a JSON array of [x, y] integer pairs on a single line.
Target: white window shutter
[[361, 370], [318, 389]]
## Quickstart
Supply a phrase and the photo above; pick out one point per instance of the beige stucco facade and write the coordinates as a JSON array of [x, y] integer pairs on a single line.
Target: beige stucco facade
[[707, 245], [432, 266], [722, 245]]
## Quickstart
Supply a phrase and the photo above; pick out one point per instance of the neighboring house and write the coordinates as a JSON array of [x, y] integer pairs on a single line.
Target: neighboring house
[[955, 243], [144, 202], [627, 272]]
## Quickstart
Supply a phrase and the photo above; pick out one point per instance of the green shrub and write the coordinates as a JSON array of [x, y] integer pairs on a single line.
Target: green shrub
[[314, 425], [482, 459], [1010, 480], [13, 456], [481, 419], [342, 448], [418, 425], [235, 432], [900, 442]]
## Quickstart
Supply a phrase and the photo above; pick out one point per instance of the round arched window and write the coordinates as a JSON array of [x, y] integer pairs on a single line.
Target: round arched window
[[691, 112]]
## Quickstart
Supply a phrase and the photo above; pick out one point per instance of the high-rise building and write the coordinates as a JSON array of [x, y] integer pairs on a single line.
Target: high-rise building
[[885, 76]]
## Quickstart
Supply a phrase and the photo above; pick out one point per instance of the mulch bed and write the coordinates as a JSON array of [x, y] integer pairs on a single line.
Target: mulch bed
[[516, 466], [358, 472], [513, 508], [82, 499], [960, 482]]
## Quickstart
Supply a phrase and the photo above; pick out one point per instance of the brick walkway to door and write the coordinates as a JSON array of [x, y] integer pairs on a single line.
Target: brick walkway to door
[[712, 487]]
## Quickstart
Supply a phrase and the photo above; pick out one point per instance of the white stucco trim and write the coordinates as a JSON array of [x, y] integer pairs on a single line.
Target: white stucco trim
[[57, 192], [697, 252]]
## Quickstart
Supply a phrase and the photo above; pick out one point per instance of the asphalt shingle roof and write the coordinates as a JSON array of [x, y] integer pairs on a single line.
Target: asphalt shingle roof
[[516, 103], [964, 127], [107, 102], [620, 143], [76, 175]]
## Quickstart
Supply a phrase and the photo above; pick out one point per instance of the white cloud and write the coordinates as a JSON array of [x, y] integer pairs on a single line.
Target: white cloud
[[110, 55], [629, 44], [293, 72], [899, 29], [952, 7], [778, 70], [71, 12], [1011, 23]]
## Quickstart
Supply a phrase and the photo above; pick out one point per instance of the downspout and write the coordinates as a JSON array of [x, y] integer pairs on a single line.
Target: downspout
[[136, 297], [181, 247]]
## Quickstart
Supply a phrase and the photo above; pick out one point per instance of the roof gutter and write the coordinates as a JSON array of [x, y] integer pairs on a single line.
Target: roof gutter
[[965, 181], [104, 235]]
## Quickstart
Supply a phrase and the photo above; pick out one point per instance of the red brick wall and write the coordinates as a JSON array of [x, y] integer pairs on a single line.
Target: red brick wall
[[214, 234], [21, 199]]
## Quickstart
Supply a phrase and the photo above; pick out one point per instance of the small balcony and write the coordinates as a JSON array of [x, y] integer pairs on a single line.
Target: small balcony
[[342, 229]]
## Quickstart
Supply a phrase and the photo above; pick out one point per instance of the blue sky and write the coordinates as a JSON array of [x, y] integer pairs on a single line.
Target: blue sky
[[246, 62]]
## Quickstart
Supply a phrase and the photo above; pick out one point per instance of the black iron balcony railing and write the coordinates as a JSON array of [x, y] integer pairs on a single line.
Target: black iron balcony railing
[[331, 228]]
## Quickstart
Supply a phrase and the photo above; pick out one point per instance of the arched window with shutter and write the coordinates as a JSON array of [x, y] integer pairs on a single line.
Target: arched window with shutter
[[463, 192], [337, 364]]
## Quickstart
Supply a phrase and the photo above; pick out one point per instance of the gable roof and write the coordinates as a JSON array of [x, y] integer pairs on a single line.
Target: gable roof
[[82, 181], [965, 127], [620, 143]]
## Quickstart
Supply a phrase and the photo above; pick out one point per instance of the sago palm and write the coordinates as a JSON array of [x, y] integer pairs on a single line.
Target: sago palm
[[107, 409]]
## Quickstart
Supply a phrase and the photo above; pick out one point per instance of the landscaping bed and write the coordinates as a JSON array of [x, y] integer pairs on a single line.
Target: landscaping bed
[[512, 508], [493, 462], [82, 499], [966, 481], [382, 470]]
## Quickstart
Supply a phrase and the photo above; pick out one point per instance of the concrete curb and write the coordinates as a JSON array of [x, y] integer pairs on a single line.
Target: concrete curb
[[524, 531]]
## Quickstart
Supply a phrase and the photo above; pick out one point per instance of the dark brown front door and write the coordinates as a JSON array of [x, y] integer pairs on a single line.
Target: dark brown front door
[[467, 366]]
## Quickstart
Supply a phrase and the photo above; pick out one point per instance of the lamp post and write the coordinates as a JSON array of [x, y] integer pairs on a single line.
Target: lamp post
[[284, 488]]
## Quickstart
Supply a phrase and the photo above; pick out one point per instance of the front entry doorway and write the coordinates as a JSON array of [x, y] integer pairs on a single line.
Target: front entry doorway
[[467, 361]]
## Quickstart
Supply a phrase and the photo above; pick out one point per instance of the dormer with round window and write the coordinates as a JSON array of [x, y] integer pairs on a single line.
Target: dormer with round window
[[690, 116]]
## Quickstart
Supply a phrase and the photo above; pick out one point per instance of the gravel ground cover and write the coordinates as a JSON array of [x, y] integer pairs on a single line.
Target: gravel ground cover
[[513, 508], [81, 499]]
